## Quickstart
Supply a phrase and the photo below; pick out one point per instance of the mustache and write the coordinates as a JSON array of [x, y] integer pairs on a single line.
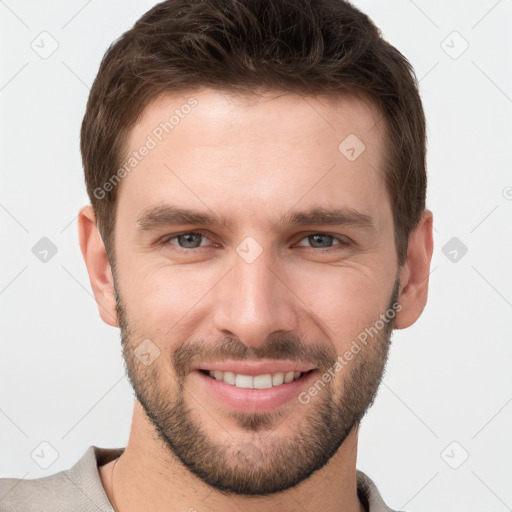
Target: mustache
[[189, 355]]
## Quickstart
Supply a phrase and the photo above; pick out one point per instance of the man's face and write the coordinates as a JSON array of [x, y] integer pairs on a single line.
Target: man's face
[[264, 292]]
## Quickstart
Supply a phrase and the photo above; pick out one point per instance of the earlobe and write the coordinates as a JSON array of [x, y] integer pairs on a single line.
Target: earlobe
[[414, 275], [98, 265]]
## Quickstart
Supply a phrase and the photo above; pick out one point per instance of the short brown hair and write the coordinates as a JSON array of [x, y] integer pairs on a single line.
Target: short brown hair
[[313, 47]]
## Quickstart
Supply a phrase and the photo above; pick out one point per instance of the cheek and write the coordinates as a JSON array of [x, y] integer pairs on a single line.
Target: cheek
[[164, 300], [345, 299], [170, 303]]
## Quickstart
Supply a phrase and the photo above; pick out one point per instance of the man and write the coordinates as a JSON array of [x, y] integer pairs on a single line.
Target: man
[[257, 229]]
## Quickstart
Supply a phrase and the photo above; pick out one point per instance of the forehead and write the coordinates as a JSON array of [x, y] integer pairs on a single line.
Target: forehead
[[215, 113], [269, 152]]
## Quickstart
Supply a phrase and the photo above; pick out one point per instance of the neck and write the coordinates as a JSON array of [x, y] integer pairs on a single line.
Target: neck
[[149, 477]]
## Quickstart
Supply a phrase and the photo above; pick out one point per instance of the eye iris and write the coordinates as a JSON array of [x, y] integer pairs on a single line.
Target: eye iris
[[187, 237], [325, 240], [193, 240]]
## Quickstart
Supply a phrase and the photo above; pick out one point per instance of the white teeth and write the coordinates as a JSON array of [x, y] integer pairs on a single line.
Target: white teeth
[[277, 379], [289, 377], [229, 378], [244, 381], [264, 381]]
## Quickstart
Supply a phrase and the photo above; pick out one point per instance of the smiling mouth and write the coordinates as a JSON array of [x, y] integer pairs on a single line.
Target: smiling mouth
[[264, 381]]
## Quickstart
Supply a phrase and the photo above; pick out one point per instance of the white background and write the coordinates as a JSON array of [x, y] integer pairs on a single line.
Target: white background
[[448, 378]]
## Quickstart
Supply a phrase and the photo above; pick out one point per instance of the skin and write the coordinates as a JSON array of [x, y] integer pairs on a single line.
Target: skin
[[251, 160]]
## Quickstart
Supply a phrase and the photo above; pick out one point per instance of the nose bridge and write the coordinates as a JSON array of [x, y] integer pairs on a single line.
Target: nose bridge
[[253, 302]]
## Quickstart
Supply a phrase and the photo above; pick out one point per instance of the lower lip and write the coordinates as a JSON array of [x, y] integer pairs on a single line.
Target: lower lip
[[254, 400]]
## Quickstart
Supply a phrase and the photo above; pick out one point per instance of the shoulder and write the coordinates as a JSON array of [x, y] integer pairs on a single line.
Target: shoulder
[[17, 494], [369, 494], [78, 488]]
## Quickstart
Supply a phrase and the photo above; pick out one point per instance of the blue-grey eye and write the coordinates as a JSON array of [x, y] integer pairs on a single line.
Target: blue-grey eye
[[190, 240], [320, 240]]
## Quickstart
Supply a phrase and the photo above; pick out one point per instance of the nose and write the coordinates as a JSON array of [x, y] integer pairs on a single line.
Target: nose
[[254, 301]]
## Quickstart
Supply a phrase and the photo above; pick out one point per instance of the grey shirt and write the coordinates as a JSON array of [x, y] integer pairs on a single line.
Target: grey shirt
[[79, 489]]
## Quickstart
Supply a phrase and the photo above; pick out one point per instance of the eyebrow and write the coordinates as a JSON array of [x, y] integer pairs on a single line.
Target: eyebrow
[[328, 217], [169, 215]]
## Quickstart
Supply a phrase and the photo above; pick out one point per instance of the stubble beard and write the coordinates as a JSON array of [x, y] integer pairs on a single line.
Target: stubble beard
[[252, 458]]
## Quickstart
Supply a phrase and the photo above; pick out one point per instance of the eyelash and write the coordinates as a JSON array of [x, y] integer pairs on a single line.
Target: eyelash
[[166, 241]]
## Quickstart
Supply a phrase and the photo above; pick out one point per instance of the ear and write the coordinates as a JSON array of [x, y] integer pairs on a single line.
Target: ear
[[414, 274], [98, 266]]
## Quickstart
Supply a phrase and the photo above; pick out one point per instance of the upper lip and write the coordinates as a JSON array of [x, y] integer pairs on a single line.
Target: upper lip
[[256, 368]]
